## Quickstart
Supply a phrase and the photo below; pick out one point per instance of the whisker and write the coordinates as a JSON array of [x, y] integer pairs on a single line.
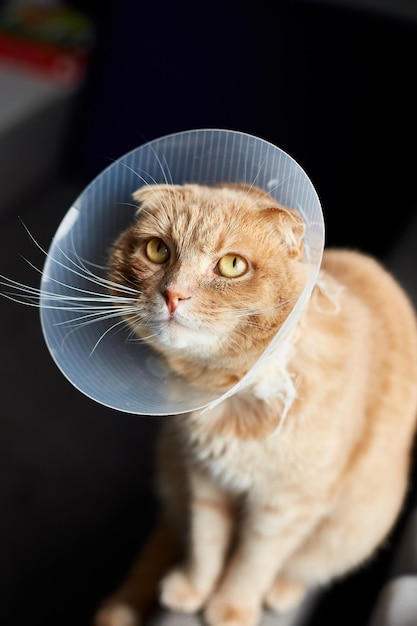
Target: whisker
[[164, 170], [95, 315], [84, 263], [26, 291], [136, 173], [251, 312], [91, 319], [115, 325], [89, 276], [15, 299], [84, 273], [133, 337], [100, 339]]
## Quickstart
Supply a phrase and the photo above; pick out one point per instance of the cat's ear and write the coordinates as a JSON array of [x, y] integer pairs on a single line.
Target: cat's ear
[[150, 194], [291, 228]]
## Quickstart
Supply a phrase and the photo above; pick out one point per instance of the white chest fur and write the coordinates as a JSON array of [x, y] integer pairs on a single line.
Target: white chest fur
[[236, 462]]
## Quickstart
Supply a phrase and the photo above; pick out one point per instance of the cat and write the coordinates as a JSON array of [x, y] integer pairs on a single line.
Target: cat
[[257, 510]]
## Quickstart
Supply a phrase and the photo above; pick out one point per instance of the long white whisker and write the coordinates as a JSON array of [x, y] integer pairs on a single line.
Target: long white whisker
[[89, 318], [25, 302], [83, 263], [85, 274], [119, 323], [136, 173], [14, 284], [89, 276], [93, 316], [144, 180], [32, 292]]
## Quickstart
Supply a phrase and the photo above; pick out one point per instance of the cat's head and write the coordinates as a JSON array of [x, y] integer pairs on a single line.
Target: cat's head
[[216, 271]]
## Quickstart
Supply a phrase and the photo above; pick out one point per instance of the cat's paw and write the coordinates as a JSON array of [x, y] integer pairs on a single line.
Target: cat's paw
[[178, 593], [285, 595], [116, 614], [223, 612]]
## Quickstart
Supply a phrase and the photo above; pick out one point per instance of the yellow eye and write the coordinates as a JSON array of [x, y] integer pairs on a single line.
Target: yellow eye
[[232, 266], [157, 251]]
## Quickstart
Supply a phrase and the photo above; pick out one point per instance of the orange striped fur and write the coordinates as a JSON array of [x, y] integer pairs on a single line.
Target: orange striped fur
[[262, 514]]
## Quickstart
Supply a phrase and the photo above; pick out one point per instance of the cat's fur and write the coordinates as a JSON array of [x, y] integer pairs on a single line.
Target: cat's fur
[[260, 509]]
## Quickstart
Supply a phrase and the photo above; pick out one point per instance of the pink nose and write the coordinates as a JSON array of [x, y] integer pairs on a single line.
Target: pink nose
[[173, 298]]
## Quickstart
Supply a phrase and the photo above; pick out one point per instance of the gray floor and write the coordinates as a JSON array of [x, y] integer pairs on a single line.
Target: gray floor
[[74, 476]]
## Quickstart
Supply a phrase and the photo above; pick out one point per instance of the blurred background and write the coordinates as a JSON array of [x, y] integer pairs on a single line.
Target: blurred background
[[81, 83]]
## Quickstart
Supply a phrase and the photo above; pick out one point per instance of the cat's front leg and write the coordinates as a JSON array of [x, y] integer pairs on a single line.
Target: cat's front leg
[[187, 587], [270, 534]]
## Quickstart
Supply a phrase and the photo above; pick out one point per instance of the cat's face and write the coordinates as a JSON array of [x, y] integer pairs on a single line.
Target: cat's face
[[217, 269]]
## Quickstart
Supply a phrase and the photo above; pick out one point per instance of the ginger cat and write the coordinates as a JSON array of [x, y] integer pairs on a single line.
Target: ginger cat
[[257, 509]]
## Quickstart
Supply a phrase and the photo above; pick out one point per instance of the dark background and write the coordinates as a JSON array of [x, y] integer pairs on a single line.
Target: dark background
[[334, 86]]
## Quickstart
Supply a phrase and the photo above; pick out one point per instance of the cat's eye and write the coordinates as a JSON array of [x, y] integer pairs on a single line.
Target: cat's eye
[[157, 251], [232, 266]]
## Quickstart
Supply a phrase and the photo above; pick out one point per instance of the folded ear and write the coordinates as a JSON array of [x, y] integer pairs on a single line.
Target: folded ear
[[153, 193], [291, 228]]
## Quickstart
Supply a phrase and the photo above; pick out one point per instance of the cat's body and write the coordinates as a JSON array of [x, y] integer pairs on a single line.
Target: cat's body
[[266, 508]]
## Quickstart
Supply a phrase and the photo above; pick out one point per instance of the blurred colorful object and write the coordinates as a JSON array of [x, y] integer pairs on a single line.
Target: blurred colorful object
[[51, 39]]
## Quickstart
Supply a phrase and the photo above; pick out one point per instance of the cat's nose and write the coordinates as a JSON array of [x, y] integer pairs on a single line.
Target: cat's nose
[[173, 298]]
